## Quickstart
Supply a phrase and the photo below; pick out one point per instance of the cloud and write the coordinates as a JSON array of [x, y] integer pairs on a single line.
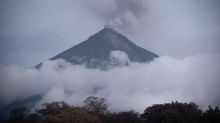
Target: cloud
[[118, 58], [135, 87]]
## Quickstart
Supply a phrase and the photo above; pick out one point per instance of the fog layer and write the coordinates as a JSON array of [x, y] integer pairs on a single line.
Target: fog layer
[[135, 87]]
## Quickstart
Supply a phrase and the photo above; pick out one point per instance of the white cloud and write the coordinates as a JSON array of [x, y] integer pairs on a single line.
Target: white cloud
[[134, 87], [119, 56]]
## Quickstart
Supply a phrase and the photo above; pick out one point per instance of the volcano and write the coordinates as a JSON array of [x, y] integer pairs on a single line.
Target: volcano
[[95, 51]]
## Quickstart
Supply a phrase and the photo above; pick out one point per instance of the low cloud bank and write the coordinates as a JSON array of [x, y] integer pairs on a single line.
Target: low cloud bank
[[135, 87]]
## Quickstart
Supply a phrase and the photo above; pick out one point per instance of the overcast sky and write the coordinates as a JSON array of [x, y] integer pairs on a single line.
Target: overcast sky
[[35, 30]]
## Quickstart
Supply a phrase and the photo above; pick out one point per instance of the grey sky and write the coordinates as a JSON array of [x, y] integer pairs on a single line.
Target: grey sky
[[35, 30]]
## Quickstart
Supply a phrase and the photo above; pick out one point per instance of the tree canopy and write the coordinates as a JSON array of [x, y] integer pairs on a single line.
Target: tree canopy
[[96, 105], [95, 111]]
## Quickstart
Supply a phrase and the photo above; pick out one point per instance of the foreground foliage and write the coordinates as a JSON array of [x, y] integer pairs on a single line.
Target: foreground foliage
[[95, 111]]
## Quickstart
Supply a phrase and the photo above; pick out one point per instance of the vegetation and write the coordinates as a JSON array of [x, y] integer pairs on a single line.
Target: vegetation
[[95, 111], [172, 113], [97, 105]]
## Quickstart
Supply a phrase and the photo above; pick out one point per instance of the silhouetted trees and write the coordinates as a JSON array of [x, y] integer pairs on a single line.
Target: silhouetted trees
[[95, 111], [122, 117], [61, 112], [18, 115], [174, 112], [211, 115], [97, 105], [54, 108]]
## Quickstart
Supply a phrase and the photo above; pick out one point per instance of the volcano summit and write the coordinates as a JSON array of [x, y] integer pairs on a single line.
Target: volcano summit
[[95, 51]]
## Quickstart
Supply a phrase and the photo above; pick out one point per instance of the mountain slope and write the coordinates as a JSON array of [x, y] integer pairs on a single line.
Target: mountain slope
[[95, 51]]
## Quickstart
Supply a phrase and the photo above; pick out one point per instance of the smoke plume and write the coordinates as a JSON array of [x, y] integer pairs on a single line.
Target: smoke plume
[[123, 14]]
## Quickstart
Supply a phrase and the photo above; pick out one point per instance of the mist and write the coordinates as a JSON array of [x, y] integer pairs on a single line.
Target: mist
[[166, 79]]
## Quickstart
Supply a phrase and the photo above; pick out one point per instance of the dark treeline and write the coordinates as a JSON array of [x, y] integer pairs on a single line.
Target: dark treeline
[[95, 110]]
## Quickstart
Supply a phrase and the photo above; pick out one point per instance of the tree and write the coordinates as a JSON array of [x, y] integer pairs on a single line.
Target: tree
[[60, 112], [96, 105], [122, 117], [211, 115], [174, 112], [18, 114], [54, 108]]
